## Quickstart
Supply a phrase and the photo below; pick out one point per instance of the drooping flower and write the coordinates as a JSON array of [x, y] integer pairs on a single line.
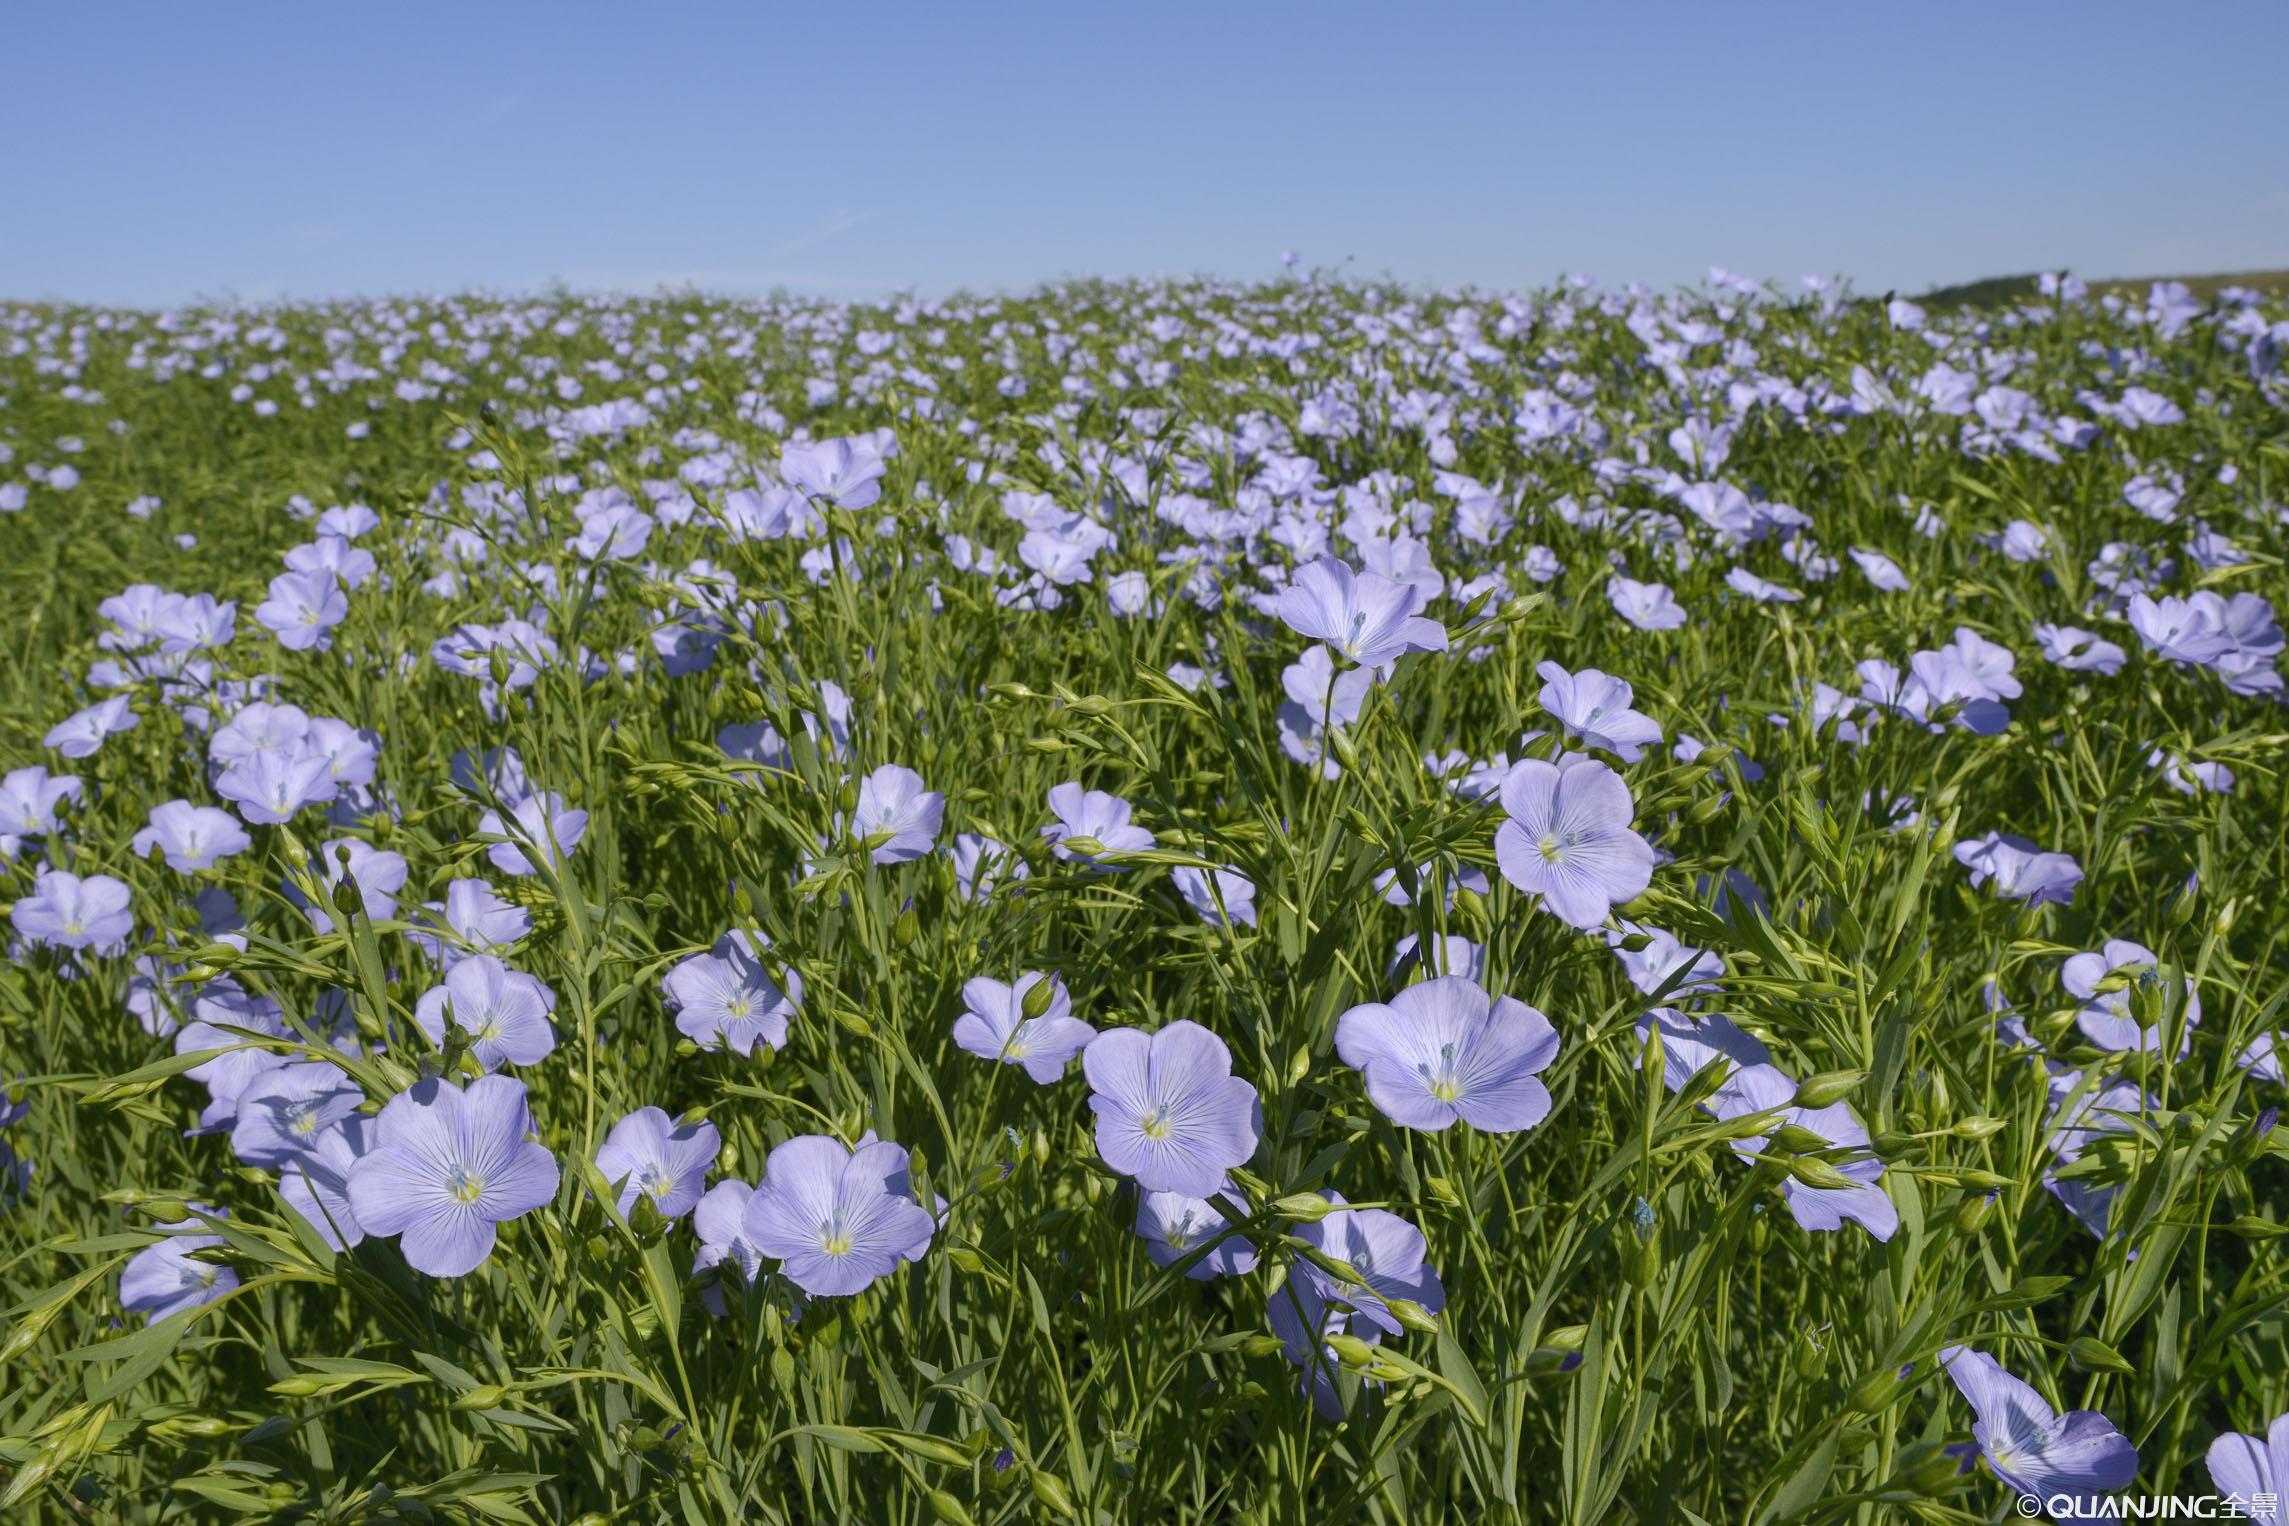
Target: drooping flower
[[1444, 1051], [1169, 1111], [837, 1219], [1365, 617], [654, 1156], [1569, 838], [448, 1166], [2032, 1448], [994, 1025], [505, 1012]]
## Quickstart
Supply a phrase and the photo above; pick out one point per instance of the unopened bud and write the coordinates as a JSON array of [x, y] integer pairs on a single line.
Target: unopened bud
[[1829, 1087], [2094, 1355], [1039, 995], [1303, 1207]]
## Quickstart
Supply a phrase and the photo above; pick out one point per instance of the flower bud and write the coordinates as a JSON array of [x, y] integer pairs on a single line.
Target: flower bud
[[1829, 1087], [1874, 1392], [1813, 1172], [1303, 1207], [1929, 1476], [1039, 995], [1974, 1213], [1413, 1316], [2094, 1355], [1979, 1126], [1350, 1350], [483, 1396], [1796, 1139]]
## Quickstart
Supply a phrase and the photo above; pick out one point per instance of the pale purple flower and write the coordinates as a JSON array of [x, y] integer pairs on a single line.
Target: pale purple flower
[[1169, 1111], [2080, 651], [2179, 630], [1648, 606], [1595, 709], [275, 786], [720, 1225], [542, 824], [837, 1219], [982, 864], [993, 1025], [847, 471], [447, 1167], [1444, 1051], [2032, 1448], [303, 609], [1172, 1224], [1226, 899], [651, 1155], [259, 726], [192, 837], [726, 998], [1367, 618], [315, 1181], [2105, 1017], [1096, 816], [472, 919], [377, 874], [1880, 570], [66, 911], [29, 798], [505, 1012], [83, 733], [282, 1111], [897, 814], [1569, 840], [1665, 966], [2249, 1468], [1763, 1088], [163, 1279], [2020, 870], [1746, 583], [1391, 1256]]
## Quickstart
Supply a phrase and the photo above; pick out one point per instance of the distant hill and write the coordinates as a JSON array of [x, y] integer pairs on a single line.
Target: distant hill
[[2000, 291]]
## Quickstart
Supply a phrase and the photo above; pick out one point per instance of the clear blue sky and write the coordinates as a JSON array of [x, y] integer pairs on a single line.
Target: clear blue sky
[[150, 153]]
